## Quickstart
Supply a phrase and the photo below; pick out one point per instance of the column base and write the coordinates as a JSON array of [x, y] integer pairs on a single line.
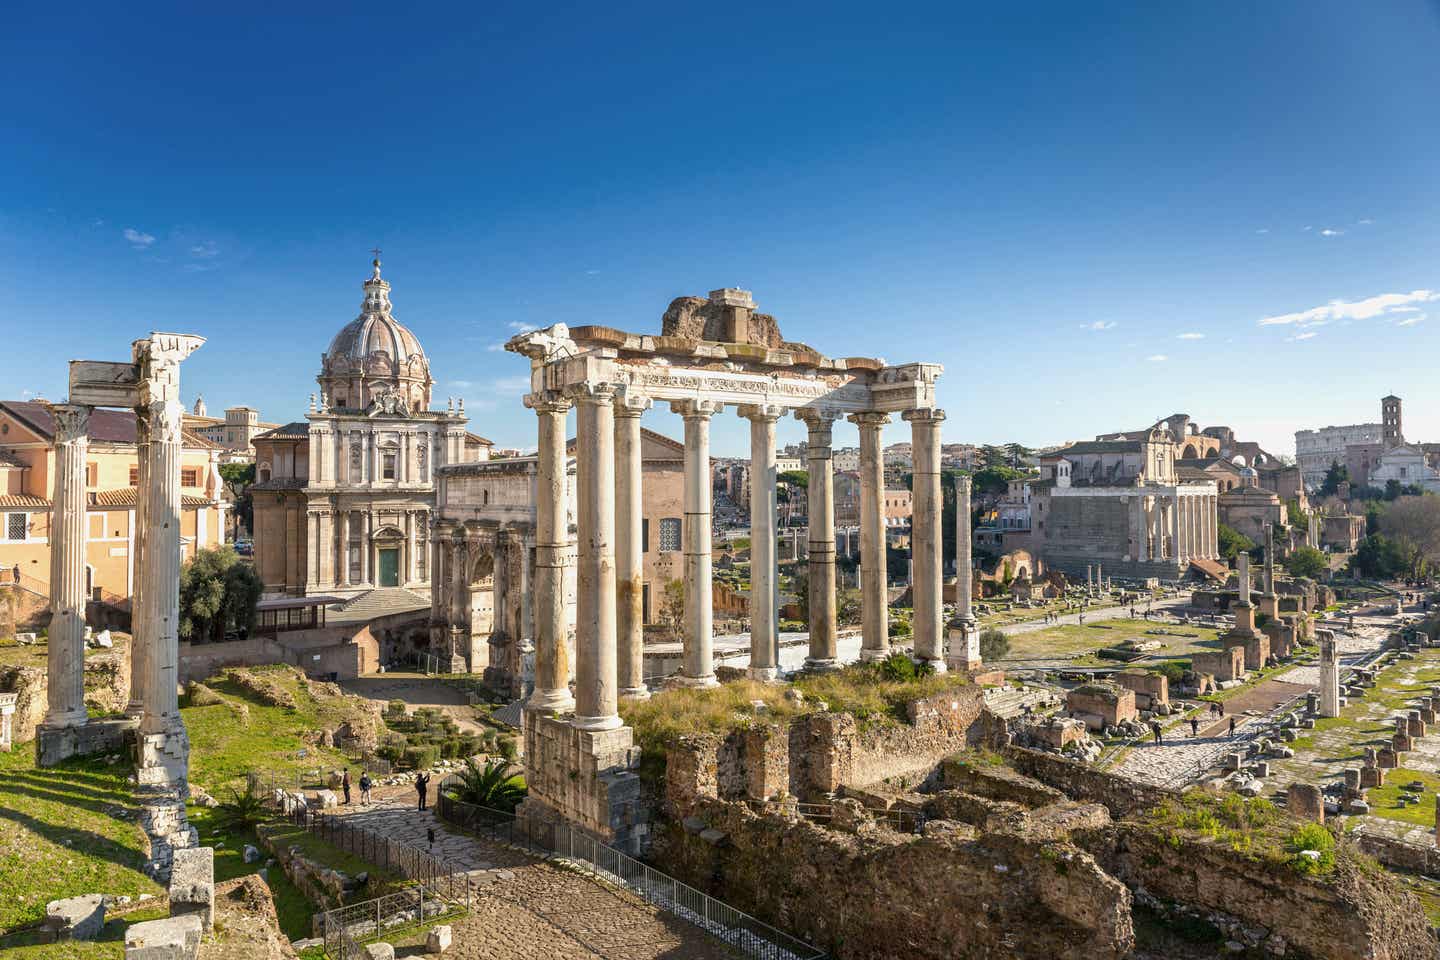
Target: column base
[[635, 693], [822, 664], [54, 744], [962, 665], [763, 674], [611, 722], [687, 681], [552, 701], [871, 655], [163, 759], [937, 664], [135, 709]]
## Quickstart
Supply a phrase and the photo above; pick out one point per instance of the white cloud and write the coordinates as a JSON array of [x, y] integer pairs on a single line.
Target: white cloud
[[137, 239], [1191, 336], [1366, 309], [1306, 229], [1410, 321], [1365, 222], [1157, 358], [1303, 336], [205, 250], [495, 347], [461, 384], [1099, 325], [1327, 232], [521, 327]]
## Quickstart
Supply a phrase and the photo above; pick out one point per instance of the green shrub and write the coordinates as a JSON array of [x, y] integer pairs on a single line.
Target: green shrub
[[395, 708], [1319, 843], [1171, 670], [994, 645], [509, 748], [418, 758], [897, 668]]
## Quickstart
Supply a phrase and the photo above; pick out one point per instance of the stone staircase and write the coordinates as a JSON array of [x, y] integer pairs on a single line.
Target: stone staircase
[[1009, 702], [381, 602]]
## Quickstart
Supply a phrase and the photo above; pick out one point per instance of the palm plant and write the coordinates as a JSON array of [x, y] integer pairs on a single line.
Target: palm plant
[[491, 786], [243, 810]]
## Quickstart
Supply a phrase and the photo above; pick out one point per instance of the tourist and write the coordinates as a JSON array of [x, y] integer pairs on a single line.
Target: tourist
[[345, 785], [365, 785], [1232, 728], [1155, 731], [1194, 726], [422, 787]]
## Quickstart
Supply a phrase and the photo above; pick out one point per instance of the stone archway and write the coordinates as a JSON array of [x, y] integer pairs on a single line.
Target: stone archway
[[1188, 452]]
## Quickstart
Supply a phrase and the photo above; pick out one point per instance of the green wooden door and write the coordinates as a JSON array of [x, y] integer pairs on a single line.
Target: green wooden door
[[390, 567]]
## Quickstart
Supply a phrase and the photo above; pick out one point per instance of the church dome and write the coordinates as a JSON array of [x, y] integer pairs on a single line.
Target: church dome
[[374, 357]]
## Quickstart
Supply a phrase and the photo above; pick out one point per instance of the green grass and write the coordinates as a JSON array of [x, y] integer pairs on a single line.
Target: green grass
[[110, 945], [229, 739], [1072, 639], [1253, 828], [1385, 801], [292, 908], [65, 831]]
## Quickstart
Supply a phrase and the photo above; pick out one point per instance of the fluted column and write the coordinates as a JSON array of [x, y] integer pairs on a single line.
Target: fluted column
[[596, 690], [65, 660], [764, 596], [925, 538], [824, 654], [629, 557], [964, 635], [139, 652], [874, 595], [159, 359], [342, 522], [460, 604], [364, 538], [552, 541], [699, 668]]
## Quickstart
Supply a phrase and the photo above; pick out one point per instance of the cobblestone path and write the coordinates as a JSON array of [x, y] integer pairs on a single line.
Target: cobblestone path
[[531, 909]]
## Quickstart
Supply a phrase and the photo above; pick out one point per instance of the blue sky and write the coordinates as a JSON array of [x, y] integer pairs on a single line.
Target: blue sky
[[1085, 213]]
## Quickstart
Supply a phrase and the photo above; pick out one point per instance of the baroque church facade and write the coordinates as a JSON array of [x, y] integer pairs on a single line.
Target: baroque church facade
[[343, 499]]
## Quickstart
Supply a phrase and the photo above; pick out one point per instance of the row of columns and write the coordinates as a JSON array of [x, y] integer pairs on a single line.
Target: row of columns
[[609, 634]]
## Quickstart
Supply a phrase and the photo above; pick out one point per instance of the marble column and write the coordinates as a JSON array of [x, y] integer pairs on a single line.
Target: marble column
[[824, 625], [596, 688], [342, 523], [552, 542], [964, 633], [1329, 675], [629, 557], [764, 588], [139, 668], [699, 667], [364, 538], [65, 660], [1173, 527], [925, 538], [874, 589], [459, 615], [1269, 559]]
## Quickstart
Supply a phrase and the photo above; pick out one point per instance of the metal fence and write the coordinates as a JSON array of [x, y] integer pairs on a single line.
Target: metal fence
[[744, 933], [347, 928]]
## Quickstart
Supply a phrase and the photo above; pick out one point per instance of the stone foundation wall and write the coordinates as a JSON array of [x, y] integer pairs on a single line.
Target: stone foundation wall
[[586, 777], [879, 894], [30, 686], [54, 744], [1396, 853], [1121, 796], [1355, 914]]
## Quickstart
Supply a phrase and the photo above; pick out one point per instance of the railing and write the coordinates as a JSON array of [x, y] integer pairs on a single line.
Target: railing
[[744, 933], [347, 928]]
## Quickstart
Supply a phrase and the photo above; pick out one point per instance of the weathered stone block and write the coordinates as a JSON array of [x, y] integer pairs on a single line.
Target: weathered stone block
[[192, 884], [379, 951], [1305, 800], [54, 744], [76, 918], [438, 939], [1371, 777], [173, 938]]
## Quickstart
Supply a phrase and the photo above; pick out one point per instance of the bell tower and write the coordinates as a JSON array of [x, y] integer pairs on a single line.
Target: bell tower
[[1390, 422]]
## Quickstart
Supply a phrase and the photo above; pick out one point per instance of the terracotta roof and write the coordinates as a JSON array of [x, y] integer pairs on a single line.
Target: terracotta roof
[[476, 438], [1098, 446], [125, 497], [9, 459], [296, 428], [106, 425], [23, 500]]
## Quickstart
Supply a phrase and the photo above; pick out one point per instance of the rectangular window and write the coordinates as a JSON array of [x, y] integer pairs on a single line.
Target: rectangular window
[[389, 466], [135, 476], [17, 525], [92, 474], [669, 534], [645, 535], [190, 477]]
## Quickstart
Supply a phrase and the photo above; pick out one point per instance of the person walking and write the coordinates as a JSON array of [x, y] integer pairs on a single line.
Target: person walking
[[345, 785], [422, 787], [1155, 732], [1232, 728], [1194, 726], [365, 785]]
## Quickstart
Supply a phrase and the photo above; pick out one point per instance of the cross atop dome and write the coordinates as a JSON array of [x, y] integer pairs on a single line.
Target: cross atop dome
[[376, 263]]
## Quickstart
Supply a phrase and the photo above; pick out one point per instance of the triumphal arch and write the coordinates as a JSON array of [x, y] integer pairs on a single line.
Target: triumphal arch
[[711, 354]]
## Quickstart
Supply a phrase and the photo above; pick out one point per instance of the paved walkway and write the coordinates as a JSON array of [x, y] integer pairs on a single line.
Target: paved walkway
[[531, 909]]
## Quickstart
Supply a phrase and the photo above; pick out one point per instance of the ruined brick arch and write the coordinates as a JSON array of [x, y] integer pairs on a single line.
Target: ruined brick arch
[[1188, 452]]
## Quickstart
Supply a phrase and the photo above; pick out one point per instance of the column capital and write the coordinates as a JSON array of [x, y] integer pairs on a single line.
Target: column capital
[[546, 403], [628, 403], [72, 421], [591, 392], [818, 417], [870, 418], [928, 415], [765, 412], [963, 483], [165, 348], [696, 409]]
